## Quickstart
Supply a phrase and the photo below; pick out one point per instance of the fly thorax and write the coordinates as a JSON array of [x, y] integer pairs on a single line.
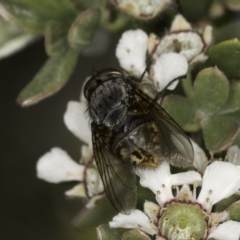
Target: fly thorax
[[109, 103]]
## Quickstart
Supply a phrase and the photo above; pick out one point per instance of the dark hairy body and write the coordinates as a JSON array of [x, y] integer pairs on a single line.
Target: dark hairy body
[[130, 131]]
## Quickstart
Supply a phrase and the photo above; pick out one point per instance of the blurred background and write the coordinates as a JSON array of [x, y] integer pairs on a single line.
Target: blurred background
[[31, 208]]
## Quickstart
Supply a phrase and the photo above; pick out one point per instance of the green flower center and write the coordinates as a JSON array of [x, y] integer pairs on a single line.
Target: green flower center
[[181, 221]]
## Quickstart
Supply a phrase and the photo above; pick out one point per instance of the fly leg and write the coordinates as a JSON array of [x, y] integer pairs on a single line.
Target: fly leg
[[160, 95]]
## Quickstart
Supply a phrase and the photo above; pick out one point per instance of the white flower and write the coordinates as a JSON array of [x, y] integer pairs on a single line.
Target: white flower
[[137, 219], [57, 166], [183, 214], [162, 74], [229, 230], [131, 52], [200, 159], [77, 122], [233, 155], [142, 8], [184, 40]]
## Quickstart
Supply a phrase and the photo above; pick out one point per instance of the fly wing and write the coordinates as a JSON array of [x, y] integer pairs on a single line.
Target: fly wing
[[117, 175], [175, 144]]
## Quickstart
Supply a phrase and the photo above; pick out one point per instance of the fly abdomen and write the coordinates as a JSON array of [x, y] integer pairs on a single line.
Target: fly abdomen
[[140, 143]]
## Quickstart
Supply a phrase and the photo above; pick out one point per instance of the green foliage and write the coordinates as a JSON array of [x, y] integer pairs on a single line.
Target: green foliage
[[50, 78], [26, 19], [135, 235], [193, 11], [48, 9], [181, 109], [219, 132], [82, 29], [105, 232], [234, 211], [55, 38], [225, 203], [210, 107], [210, 91], [63, 28], [226, 56]]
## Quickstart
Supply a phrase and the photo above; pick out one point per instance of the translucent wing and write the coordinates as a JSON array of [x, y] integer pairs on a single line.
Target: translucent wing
[[117, 175], [175, 145]]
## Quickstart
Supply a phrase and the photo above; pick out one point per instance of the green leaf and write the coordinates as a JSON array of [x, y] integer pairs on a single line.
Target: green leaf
[[226, 32], [12, 39], [17, 43], [210, 90], [181, 109], [24, 18], [234, 211], [218, 132], [233, 102], [102, 212], [90, 3], [104, 232], [8, 31], [193, 10], [226, 56], [56, 37], [237, 140], [135, 234], [82, 30], [225, 203], [235, 116], [49, 9], [50, 79]]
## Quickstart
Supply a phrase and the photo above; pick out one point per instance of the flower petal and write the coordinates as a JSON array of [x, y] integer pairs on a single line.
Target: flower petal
[[207, 34], [167, 67], [187, 43], [131, 51], [157, 180], [80, 191], [94, 182], [77, 191], [229, 230], [136, 219], [77, 123], [152, 210], [218, 217], [142, 9], [180, 23], [200, 159], [189, 177], [220, 180], [185, 194], [233, 155], [57, 166]]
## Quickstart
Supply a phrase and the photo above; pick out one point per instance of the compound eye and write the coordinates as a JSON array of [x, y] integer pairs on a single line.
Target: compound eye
[[109, 70], [97, 77], [86, 87]]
